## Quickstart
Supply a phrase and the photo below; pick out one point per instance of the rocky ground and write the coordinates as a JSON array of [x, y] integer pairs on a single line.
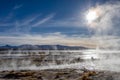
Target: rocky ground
[[62, 74]]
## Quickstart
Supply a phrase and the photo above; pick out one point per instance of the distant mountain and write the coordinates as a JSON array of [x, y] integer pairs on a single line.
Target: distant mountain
[[28, 47], [41, 47], [7, 47]]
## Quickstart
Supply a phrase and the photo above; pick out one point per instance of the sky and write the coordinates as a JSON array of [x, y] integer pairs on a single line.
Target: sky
[[45, 21]]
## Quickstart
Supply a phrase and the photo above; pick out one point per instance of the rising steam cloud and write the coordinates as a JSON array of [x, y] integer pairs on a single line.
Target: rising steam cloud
[[109, 18], [107, 24]]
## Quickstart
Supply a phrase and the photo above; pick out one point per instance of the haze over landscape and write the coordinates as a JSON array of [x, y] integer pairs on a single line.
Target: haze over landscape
[[60, 39]]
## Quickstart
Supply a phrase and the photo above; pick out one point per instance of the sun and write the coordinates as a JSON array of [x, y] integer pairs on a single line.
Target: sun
[[91, 16]]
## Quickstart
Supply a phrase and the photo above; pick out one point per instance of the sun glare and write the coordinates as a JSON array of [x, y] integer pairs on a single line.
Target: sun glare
[[91, 16]]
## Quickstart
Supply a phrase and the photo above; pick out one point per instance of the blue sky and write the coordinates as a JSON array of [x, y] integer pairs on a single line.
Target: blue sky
[[45, 17]]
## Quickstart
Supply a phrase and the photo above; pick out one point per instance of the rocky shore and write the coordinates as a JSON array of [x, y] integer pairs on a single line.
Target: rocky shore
[[61, 74]]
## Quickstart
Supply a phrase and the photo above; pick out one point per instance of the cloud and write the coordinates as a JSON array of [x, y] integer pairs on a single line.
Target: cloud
[[17, 6], [52, 39], [44, 20], [6, 24], [26, 24], [27, 21], [65, 23], [62, 39], [73, 21], [109, 20]]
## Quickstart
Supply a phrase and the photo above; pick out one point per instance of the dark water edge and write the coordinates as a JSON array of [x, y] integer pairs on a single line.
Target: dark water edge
[[59, 74]]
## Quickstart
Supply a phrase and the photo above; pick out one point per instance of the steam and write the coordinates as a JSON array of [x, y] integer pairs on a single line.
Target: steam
[[107, 25], [109, 18], [106, 28], [60, 59]]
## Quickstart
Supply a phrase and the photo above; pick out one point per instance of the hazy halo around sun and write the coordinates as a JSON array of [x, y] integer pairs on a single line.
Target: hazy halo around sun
[[92, 15]]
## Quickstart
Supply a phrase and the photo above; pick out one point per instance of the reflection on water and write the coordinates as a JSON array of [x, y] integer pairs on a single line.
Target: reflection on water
[[57, 59]]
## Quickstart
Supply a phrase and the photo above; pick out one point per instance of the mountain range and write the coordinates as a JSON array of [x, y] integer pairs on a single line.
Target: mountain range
[[41, 47]]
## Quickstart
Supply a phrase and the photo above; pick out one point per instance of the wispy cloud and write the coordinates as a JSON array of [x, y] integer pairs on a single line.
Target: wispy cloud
[[26, 24], [17, 6], [6, 24], [67, 23], [28, 21], [44, 20]]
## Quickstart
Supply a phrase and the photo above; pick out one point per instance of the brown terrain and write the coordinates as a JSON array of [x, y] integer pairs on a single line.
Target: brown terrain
[[61, 74]]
